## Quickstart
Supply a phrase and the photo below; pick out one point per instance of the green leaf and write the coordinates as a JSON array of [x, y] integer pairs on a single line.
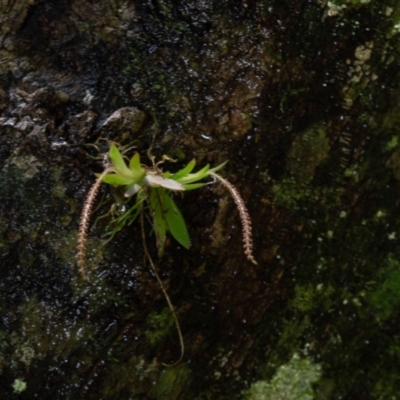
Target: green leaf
[[135, 175], [134, 164], [197, 176], [184, 171], [159, 222], [118, 161], [192, 186], [217, 168], [175, 222], [114, 179]]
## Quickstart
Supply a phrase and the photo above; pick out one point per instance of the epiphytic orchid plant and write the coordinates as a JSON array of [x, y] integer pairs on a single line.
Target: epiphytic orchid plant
[[152, 185], [154, 189]]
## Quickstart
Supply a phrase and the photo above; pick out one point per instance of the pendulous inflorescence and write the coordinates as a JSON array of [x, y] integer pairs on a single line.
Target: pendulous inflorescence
[[84, 221], [244, 217]]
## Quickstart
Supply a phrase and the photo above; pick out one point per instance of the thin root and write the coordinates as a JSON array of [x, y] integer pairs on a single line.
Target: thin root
[[170, 305]]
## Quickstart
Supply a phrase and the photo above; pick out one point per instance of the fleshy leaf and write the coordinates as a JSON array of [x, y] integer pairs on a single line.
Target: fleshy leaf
[[184, 171], [134, 164], [217, 168], [113, 179], [175, 222], [196, 176], [136, 174], [118, 161], [159, 221], [192, 186]]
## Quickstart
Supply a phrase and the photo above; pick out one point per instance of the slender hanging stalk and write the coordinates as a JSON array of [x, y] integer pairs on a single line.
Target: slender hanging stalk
[[170, 305], [84, 222], [244, 217]]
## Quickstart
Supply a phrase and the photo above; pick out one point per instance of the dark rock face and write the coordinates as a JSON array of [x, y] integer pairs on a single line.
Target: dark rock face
[[302, 99]]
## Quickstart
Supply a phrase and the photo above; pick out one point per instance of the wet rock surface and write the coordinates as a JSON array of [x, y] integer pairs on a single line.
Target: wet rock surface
[[302, 99]]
